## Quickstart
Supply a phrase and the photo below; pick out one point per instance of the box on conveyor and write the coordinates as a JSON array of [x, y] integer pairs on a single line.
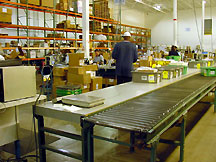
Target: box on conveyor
[[208, 71], [177, 70], [146, 77], [5, 15], [167, 73], [197, 64], [76, 59], [182, 67], [96, 83]]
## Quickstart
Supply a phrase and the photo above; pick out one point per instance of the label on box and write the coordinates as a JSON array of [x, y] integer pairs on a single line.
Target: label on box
[[198, 66], [111, 80], [151, 78], [212, 72], [97, 86], [85, 86], [81, 62], [209, 64], [165, 74], [144, 78], [158, 78], [171, 75], [177, 74], [4, 10]]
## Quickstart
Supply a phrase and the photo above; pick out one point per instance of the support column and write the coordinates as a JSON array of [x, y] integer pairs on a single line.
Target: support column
[[175, 22], [202, 25], [132, 141], [215, 101], [85, 26]]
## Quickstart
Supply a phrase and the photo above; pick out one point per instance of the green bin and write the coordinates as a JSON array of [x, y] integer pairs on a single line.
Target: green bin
[[176, 58], [208, 71]]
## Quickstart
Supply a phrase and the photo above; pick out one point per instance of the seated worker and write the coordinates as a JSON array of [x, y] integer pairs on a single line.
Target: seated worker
[[173, 51], [99, 59]]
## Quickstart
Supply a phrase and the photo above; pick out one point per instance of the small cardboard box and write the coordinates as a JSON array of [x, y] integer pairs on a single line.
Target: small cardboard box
[[90, 67], [60, 83], [81, 78], [145, 63], [58, 79], [146, 77], [47, 3], [60, 71], [85, 90], [33, 2], [76, 59], [5, 15], [76, 70], [112, 81], [96, 83]]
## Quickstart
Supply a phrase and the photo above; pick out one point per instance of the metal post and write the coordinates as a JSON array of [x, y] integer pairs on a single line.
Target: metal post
[[132, 141], [41, 139], [87, 141], [215, 101], [182, 138], [202, 24], [85, 25], [175, 15], [17, 149], [154, 151]]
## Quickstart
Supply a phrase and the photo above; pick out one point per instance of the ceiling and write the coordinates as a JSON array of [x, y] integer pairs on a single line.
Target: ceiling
[[167, 5]]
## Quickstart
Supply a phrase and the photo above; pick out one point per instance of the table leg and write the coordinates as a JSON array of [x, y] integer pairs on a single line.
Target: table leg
[[132, 141], [182, 138], [87, 142], [41, 139], [215, 101], [17, 149], [154, 151]]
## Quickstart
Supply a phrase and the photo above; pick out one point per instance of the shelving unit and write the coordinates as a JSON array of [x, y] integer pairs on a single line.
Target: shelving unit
[[140, 36]]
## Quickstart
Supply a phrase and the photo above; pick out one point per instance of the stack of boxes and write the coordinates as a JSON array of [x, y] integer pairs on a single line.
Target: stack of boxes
[[59, 77], [83, 75], [95, 26], [66, 24], [101, 9]]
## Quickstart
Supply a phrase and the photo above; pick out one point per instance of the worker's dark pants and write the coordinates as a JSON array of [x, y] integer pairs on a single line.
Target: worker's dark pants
[[123, 79]]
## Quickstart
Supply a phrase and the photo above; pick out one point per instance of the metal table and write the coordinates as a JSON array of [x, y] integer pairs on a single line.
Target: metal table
[[151, 114], [113, 96], [9, 120]]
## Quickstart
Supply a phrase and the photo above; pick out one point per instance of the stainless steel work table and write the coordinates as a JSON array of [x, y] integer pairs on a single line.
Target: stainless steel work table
[[113, 96]]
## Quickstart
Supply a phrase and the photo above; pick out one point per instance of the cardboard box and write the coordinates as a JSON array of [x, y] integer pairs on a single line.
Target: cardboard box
[[81, 78], [85, 90], [147, 77], [5, 15], [146, 63], [63, 6], [63, 1], [76, 70], [96, 83], [47, 3], [76, 59], [90, 67], [60, 71], [58, 79], [112, 81], [60, 83], [33, 2], [14, 54]]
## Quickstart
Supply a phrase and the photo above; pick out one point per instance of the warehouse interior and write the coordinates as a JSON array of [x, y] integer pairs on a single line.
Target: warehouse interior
[[107, 80]]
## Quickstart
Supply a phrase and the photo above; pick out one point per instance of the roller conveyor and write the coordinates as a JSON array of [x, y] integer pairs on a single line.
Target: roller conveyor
[[146, 113]]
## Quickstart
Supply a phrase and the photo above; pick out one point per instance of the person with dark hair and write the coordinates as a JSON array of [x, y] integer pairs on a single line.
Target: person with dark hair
[[173, 51], [99, 59], [125, 54]]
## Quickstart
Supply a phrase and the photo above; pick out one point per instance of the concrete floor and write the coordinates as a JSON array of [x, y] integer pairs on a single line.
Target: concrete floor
[[199, 147]]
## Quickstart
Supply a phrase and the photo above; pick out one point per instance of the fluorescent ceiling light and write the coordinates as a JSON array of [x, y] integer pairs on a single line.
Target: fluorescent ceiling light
[[156, 7]]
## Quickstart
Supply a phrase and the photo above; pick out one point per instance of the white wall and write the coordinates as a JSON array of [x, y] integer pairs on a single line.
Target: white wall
[[162, 28]]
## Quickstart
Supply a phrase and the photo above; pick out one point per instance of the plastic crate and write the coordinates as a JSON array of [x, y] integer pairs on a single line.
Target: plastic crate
[[208, 71], [176, 58]]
